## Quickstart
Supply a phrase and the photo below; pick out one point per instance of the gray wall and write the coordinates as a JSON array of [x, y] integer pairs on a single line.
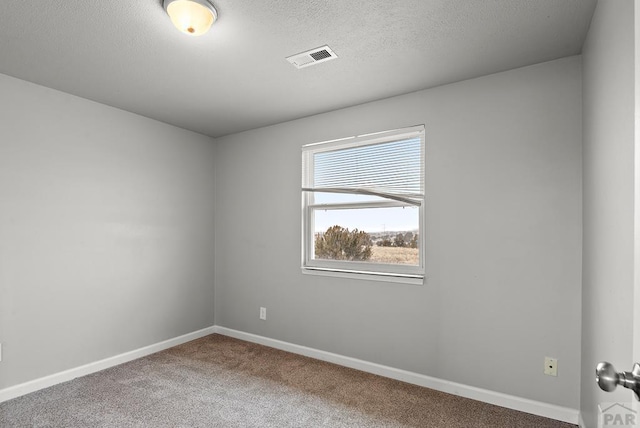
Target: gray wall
[[503, 237], [106, 231], [608, 234]]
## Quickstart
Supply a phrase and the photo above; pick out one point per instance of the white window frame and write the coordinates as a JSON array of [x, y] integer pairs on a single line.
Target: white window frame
[[363, 270]]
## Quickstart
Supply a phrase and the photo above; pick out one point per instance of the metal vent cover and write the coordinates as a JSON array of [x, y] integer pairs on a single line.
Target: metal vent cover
[[312, 57]]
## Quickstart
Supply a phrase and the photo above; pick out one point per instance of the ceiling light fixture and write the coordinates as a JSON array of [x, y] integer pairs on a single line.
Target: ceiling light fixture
[[192, 17]]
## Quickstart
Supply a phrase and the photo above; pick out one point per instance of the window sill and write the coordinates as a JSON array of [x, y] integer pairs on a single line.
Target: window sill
[[369, 276]]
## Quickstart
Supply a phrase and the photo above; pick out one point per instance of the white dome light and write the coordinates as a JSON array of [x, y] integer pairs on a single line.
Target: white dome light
[[192, 17]]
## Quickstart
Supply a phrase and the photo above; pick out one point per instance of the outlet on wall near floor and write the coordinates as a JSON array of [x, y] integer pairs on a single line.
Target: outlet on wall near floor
[[550, 366], [263, 313]]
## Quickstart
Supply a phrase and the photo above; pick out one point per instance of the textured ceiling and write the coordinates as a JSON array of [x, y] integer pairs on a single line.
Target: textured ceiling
[[127, 54]]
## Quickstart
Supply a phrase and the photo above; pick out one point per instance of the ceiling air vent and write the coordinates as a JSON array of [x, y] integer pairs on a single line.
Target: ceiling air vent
[[312, 57]]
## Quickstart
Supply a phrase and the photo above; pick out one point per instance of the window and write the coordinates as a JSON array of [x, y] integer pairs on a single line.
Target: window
[[363, 203]]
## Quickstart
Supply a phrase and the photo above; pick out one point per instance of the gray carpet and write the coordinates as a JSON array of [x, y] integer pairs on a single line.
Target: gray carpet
[[218, 381]]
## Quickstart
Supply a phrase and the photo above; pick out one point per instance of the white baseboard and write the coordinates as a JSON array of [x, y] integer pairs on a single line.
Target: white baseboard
[[67, 375], [564, 414], [581, 423], [512, 402]]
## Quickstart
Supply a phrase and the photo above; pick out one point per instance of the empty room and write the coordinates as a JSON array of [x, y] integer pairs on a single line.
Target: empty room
[[418, 213]]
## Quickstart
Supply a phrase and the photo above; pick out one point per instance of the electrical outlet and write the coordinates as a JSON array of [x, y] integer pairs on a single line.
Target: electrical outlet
[[263, 313], [550, 366]]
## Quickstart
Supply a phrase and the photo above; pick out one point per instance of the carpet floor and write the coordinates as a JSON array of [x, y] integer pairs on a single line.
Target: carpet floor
[[218, 381]]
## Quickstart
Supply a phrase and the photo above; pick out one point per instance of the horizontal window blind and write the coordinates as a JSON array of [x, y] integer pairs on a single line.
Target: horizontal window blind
[[391, 168]]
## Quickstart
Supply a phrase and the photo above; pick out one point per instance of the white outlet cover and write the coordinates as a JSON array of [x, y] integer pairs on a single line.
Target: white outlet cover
[[550, 366]]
